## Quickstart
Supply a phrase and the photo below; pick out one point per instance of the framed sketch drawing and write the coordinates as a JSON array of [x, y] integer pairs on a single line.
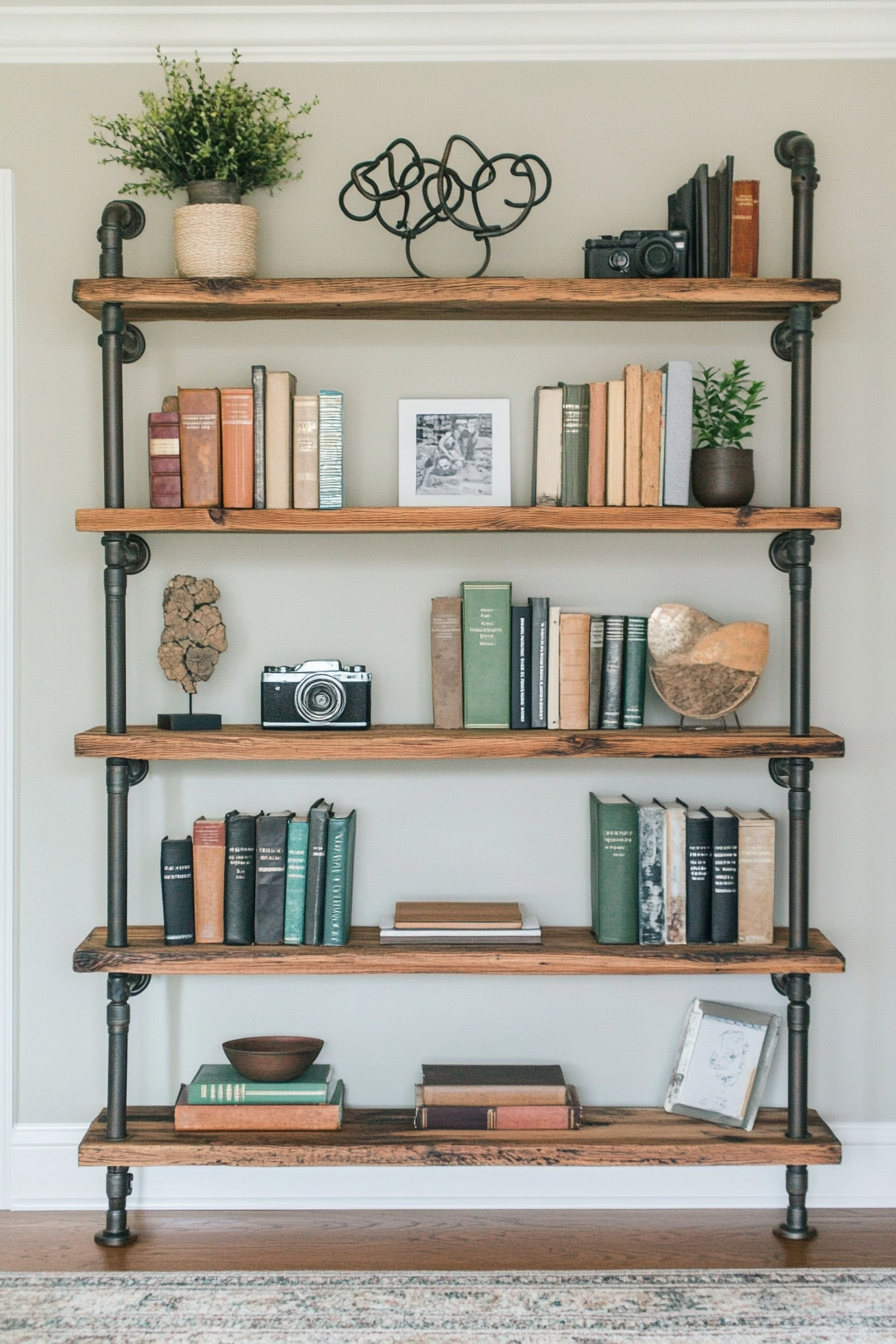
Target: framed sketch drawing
[[724, 1056], [454, 451]]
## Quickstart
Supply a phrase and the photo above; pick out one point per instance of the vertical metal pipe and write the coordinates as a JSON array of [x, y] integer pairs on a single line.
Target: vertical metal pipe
[[800, 154], [118, 1186], [118, 1020], [800, 324], [800, 579], [115, 582], [113, 414], [798, 991], [117, 786], [798, 804]]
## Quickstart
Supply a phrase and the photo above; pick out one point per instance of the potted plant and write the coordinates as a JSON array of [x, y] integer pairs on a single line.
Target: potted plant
[[725, 406], [219, 142]]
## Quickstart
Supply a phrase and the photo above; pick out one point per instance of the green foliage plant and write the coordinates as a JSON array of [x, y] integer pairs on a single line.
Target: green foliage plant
[[725, 405], [197, 131]]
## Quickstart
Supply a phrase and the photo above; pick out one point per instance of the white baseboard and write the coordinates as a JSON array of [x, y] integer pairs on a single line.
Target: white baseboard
[[45, 1175]]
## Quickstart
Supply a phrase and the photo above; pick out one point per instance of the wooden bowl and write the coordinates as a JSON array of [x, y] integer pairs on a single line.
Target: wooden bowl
[[272, 1059]]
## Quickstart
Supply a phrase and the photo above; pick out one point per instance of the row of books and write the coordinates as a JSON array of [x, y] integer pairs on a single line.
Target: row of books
[[460, 924], [220, 1098], [496, 665], [495, 1096], [669, 873], [258, 447], [627, 441], [272, 878], [722, 220]]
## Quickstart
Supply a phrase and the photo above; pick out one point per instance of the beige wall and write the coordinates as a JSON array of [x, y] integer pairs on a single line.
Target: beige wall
[[617, 138]]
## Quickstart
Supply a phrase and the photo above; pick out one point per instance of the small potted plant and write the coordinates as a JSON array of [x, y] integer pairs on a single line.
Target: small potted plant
[[725, 406], [219, 142]]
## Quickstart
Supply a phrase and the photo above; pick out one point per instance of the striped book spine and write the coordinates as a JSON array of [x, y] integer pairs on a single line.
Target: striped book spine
[[330, 449]]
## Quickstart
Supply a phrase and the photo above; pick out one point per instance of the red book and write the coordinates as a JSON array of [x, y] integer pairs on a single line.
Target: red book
[[208, 879], [200, 446], [164, 460], [745, 230]]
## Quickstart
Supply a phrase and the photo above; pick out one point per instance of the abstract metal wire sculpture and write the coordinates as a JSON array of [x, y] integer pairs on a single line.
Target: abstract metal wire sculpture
[[444, 192]]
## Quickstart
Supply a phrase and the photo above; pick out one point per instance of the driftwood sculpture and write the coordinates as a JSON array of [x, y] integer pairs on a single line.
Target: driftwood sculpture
[[701, 668], [194, 636]]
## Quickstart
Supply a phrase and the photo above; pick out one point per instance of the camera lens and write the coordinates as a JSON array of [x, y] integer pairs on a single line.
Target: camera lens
[[655, 256], [619, 260], [320, 699]]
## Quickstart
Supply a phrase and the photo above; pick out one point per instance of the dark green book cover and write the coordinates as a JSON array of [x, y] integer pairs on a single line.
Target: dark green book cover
[[614, 869], [574, 444], [221, 1084], [634, 677], [296, 873], [340, 866], [486, 655]]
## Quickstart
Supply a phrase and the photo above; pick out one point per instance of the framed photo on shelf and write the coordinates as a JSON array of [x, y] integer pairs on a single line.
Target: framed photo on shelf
[[454, 451], [724, 1057]]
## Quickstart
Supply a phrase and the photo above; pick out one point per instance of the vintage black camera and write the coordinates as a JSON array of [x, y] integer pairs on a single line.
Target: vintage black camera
[[321, 694], [640, 252]]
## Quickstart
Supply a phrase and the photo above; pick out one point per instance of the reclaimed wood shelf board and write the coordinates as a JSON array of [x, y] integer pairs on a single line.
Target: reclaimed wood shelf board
[[611, 1136], [564, 951], [418, 741], [490, 298], [748, 519]]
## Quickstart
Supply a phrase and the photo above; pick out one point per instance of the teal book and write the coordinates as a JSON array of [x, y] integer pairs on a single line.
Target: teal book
[[340, 866], [614, 869], [634, 676], [220, 1084], [296, 872], [574, 444], [486, 655]]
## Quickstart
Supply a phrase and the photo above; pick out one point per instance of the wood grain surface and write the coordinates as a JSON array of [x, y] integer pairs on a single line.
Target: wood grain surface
[[420, 741], [564, 951], [610, 1136], [412, 520], [491, 298]]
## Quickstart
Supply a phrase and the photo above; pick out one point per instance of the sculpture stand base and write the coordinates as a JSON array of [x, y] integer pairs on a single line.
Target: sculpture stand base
[[189, 723]]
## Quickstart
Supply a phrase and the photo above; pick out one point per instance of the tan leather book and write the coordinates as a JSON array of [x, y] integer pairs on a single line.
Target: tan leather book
[[458, 915], [547, 451], [200, 446], [280, 388], [633, 375], [755, 877], [306, 451], [446, 639], [616, 442], [237, 447], [651, 436], [575, 668], [597, 444], [208, 879], [258, 1116], [744, 230]]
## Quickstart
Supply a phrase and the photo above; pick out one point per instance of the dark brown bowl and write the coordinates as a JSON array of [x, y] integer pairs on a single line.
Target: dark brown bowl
[[272, 1059]]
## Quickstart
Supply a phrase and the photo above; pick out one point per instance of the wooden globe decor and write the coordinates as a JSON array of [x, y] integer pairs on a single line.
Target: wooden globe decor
[[700, 668]]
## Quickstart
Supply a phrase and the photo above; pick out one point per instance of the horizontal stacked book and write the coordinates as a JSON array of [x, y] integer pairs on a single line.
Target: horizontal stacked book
[[669, 873], [498, 665], [460, 924], [220, 1098], [272, 878], [496, 1096]]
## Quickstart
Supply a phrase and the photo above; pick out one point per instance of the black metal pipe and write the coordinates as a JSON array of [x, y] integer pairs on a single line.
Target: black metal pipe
[[803, 181], [798, 991], [800, 324], [800, 576], [119, 1183], [113, 412], [115, 582], [118, 1020], [796, 1225], [117, 786], [798, 804]]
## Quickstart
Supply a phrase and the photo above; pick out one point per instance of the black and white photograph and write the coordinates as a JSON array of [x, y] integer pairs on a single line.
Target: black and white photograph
[[724, 1057], [454, 452]]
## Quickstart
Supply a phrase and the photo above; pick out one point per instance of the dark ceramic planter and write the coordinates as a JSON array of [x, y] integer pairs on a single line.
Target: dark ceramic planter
[[213, 193], [722, 477]]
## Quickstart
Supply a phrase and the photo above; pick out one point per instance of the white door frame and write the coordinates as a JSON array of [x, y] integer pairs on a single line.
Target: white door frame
[[8, 650]]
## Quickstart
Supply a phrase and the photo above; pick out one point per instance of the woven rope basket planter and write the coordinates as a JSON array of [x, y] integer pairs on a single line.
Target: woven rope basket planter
[[216, 241]]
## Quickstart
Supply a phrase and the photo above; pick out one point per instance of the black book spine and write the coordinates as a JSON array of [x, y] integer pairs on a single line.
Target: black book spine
[[259, 373], [701, 211], [316, 876], [270, 876], [611, 675], [177, 890], [538, 662], [520, 653], [724, 878], [698, 878], [239, 880]]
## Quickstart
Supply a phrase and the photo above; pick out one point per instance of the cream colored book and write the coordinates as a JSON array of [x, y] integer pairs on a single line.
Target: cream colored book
[[279, 391], [755, 877], [305, 452], [633, 378], [675, 870], [616, 442], [547, 467], [651, 437], [575, 668], [554, 667]]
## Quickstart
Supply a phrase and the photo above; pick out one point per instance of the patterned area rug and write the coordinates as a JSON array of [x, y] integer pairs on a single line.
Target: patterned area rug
[[668, 1306]]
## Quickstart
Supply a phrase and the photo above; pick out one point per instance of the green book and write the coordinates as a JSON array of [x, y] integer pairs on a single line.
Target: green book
[[220, 1084], [486, 655], [338, 895], [614, 869], [634, 677], [296, 872], [574, 444]]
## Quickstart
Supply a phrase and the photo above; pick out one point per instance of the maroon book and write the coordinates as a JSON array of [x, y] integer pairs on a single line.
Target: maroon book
[[164, 460]]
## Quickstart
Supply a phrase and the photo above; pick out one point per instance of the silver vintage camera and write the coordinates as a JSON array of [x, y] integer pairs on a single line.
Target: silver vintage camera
[[315, 694]]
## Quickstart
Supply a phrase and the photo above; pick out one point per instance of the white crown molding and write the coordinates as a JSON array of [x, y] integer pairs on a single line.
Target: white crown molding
[[610, 30]]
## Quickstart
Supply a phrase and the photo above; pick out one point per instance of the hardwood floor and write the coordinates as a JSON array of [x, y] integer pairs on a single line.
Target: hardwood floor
[[446, 1240]]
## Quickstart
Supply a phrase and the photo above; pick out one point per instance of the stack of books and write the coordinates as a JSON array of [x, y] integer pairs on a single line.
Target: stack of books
[[722, 220], [272, 878], [460, 924], [495, 1096], [258, 447], [221, 1098], [497, 665], [669, 873]]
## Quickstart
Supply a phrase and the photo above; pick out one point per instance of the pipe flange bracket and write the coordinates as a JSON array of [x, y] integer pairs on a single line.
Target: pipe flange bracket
[[136, 553], [137, 984], [782, 341], [779, 767], [789, 550], [137, 772]]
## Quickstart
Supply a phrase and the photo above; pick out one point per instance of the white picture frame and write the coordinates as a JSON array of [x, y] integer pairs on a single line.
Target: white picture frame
[[454, 451], [723, 1061]]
